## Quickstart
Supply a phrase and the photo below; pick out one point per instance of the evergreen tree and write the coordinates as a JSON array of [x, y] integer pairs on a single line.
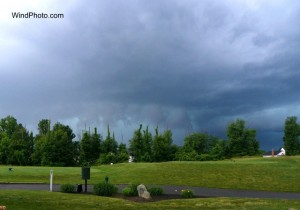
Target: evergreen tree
[[122, 153], [136, 144], [147, 143], [90, 147], [110, 145], [162, 146], [122, 148]]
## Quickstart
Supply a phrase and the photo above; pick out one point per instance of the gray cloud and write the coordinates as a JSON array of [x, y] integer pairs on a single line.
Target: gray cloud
[[185, 65]]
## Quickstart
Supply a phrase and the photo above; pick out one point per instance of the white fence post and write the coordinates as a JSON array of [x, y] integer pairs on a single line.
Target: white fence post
[[51, 179]]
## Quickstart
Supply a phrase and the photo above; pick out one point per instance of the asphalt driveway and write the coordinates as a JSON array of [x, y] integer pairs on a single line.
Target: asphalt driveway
[[172, 190]]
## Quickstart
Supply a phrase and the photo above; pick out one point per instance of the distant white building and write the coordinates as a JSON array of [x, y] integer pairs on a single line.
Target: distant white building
[[130, 159], [282, 152], [275, 153]]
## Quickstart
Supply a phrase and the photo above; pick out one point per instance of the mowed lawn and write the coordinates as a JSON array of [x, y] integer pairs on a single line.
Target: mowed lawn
[[42, 200], [270, 174]]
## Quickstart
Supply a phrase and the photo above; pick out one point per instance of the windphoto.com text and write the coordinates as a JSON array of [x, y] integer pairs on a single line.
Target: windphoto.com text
[[29, 15]]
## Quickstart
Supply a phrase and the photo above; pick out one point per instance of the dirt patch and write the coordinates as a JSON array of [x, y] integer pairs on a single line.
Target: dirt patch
[[142, 200], [153, 199]]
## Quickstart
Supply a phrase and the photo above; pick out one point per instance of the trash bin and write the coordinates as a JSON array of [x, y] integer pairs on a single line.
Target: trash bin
[[79, 188]]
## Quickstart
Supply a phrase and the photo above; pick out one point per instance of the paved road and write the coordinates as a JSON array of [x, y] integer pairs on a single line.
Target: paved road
[[198, 191]]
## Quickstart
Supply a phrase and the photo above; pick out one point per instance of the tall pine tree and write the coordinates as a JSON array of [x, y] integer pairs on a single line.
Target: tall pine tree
[[90, 147]]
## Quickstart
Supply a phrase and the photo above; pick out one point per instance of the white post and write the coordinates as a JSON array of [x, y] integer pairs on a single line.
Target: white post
[[51, 179]]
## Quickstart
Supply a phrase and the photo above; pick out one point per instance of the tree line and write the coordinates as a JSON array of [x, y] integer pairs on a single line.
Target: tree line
[[55, 145]]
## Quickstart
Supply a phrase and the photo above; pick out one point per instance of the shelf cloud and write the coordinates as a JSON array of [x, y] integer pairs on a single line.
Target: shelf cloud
[[186, 65]]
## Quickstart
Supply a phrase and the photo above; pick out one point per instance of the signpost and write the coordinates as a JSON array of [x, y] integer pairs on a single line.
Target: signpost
[[85, 174], [51, 179]]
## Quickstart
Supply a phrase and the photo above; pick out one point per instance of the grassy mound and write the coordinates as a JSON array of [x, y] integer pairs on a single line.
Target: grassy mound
[[270, 174]]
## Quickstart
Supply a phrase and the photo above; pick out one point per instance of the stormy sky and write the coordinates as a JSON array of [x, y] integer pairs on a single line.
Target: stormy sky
[[184, 65]]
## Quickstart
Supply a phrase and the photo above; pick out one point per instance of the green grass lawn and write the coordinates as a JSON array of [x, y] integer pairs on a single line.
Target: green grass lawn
[[42, 200], [271, 174]]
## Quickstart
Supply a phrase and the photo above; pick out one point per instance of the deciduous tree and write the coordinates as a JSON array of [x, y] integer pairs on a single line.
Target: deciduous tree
[[242, 141], [16, 143], [60, 149], [291, 137]]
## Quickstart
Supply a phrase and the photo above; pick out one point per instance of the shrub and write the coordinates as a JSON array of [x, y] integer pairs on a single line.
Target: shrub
[[187, 194], [156, 191], [130, 190], [107, 158], [105, 189], [127, 191], [67, 188], [122, 157], [204, 157], [186, 156]]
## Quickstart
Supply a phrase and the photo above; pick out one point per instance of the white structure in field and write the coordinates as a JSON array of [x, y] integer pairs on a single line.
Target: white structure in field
[[275, 153], [130, 159], [282, 152]]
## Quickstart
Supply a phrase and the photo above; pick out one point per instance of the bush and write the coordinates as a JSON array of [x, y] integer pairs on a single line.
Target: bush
[[204, 157], [67, 188], [122, 157], [186, 156], [127, 191], [107, 158], [130, 190], [187, 194], [156, 191], [105, 189]]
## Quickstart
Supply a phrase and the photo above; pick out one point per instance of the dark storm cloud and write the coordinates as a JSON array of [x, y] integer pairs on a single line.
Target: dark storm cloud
[[185, 65]]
